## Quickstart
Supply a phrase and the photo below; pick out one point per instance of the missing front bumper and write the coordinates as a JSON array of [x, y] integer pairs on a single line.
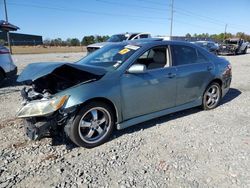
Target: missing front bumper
[[37, 130]]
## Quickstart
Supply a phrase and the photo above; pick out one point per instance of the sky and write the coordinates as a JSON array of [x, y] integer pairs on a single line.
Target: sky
[[78, 18]]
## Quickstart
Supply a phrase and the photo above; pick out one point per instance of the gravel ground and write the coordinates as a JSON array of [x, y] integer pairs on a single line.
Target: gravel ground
[[192, 148]]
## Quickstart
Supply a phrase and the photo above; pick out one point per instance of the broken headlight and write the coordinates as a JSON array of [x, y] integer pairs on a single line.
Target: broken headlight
[[42, 107]]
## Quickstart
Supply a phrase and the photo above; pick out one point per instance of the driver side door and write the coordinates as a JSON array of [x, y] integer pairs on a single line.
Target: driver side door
[[151, 90]]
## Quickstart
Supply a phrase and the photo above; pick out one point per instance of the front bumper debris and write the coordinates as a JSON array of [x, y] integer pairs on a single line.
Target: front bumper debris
[[37, 130]]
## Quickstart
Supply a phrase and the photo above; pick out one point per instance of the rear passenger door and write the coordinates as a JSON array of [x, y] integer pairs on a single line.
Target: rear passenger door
[[194, 72]]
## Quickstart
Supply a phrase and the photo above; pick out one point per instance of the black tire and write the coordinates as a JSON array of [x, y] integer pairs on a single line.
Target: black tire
[[87, 124], [2, 77], [245, 51], [210, 100]]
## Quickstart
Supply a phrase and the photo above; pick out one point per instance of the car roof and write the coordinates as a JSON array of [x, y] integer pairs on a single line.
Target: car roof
[[233, 39], [156, 41], [203, 41], [132, 33]]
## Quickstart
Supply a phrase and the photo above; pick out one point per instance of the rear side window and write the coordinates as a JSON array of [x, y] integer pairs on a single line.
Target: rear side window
[[201, 58], [184, 55], [143, 36]]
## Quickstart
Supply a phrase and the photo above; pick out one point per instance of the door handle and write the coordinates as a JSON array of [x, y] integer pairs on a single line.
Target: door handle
[[171, 75]]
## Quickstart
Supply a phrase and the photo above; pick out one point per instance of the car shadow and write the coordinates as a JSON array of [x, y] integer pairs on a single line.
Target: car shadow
[[8, 86], [61, 138], [231, 95], [10, 82]]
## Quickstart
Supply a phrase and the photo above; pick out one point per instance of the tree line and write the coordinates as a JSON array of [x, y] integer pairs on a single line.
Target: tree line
[[221, 36], [86, 40]]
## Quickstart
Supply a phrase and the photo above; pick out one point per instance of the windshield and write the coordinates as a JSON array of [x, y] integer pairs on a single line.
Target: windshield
[[117, 38], [109, 57]]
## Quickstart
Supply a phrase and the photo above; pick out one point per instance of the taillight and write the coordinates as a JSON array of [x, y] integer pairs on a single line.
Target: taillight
[[228, 70]]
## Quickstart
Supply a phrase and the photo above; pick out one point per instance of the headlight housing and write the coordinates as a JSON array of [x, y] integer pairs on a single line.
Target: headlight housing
[[42, 107]]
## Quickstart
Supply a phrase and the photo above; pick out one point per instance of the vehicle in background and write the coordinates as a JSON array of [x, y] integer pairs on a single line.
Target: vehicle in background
[[208, 45], [233, 46], [118, 86], [248, 44], [118, 38], [7, 67]]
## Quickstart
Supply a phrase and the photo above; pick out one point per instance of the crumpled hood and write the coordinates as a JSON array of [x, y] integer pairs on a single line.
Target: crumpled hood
[[37, 70], [99, 45]]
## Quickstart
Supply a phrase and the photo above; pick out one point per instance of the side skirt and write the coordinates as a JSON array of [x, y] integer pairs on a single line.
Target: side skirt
[[153, 115]]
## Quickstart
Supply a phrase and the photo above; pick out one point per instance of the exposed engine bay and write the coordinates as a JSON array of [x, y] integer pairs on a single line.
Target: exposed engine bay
[[40, 90], [60, 79]]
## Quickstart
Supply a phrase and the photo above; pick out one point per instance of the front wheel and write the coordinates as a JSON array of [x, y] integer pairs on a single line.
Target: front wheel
[[245, 51], [211, 96], [93, 125]]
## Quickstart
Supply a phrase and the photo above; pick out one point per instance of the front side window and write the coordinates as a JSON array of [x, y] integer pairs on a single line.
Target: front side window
[[154, 58], [184, 55]]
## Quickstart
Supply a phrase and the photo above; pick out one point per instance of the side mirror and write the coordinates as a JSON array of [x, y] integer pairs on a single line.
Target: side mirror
[[137, 68]]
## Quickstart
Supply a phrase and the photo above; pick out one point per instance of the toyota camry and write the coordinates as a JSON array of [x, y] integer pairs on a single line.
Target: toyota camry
[[118, 86]]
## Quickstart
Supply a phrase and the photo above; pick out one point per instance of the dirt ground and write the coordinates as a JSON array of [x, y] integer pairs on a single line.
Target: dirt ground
[[46, 49], [192, 148]]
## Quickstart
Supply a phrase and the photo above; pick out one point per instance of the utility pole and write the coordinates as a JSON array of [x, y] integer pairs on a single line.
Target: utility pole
[[171, 19], [6, 18], [225, 32]]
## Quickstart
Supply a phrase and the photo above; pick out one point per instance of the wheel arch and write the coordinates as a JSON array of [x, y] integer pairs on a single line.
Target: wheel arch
[[217, 80], [106, 101]]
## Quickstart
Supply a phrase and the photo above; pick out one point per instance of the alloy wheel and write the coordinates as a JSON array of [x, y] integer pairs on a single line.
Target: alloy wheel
[[212, 96], [94, 125]]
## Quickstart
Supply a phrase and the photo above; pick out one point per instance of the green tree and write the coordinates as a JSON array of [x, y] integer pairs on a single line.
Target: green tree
[[241, 35], [75, 42], [188, 35], [68, 41], [47, 42], [88, 40], [99, 38]]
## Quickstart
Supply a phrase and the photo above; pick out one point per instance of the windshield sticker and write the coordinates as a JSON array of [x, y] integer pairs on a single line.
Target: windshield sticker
[[132, 47], [124, 51]]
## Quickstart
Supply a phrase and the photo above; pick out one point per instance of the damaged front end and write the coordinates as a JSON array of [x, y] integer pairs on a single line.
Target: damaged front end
[[42, 109], [227, 49], [43, 115]]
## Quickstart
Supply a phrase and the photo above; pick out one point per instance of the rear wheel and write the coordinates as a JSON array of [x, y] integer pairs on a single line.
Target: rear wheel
[[211, 96], [93, 125]]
